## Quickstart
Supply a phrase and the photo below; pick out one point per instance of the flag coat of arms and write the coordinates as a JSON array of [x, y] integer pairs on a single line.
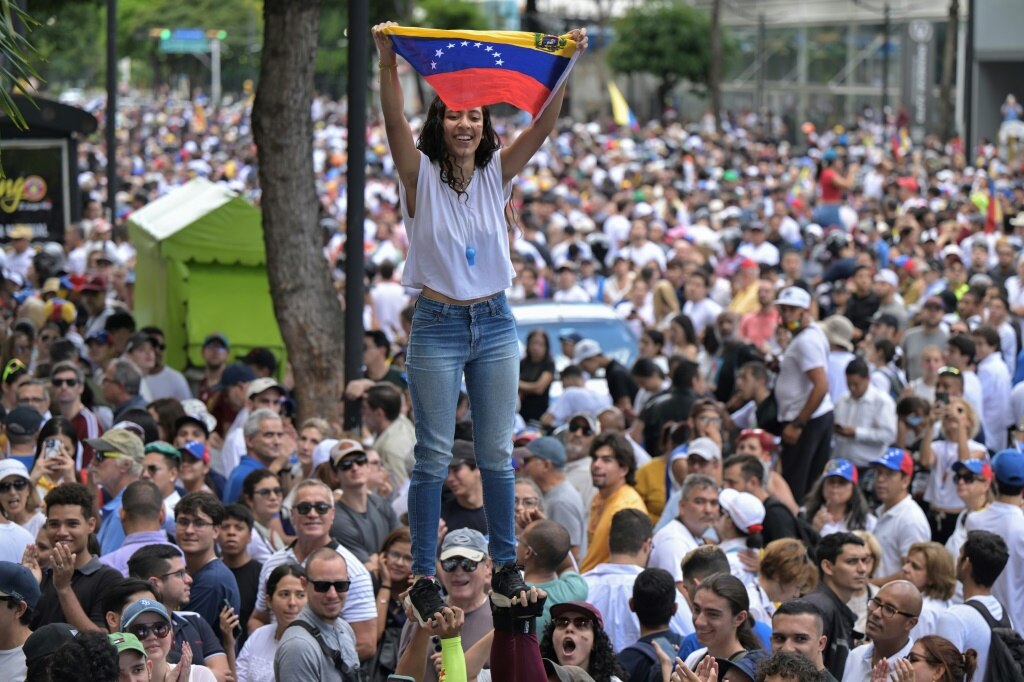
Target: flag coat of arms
[[477, 68]]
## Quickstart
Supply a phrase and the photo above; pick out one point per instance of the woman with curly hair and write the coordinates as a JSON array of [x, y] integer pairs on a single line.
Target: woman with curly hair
[[455, 183], [575, 636], [89, 656]]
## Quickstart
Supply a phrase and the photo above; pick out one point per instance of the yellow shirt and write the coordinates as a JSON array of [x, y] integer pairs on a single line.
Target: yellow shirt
[[650, 485], [601, 512], [745, 301]]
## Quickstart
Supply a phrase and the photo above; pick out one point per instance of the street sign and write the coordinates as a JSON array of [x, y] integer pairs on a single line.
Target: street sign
[[185, 41]]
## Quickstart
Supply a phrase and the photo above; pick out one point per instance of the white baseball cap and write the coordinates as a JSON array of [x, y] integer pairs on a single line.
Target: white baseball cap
[[745, 510], [888, 276], [585, 349], [795, 297]]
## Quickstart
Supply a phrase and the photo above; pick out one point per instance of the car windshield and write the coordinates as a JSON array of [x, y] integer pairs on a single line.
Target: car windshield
[[616, 340]]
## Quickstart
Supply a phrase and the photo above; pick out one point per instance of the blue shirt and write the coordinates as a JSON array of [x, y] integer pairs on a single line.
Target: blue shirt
[[118, 559], [211, 585], [762, 630], [27, 460], [233, 489], [111, 535]]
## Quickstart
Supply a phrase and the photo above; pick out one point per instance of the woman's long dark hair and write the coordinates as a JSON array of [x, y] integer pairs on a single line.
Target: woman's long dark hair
[[603, 663], [856, 509], [431, 143], [547, 345], [731, 589]]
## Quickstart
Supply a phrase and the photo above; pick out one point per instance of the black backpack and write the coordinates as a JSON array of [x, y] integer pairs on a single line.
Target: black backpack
[[1006, 653], [347, 674]]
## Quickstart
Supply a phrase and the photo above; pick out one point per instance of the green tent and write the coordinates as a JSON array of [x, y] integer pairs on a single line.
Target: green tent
[[201, 269]]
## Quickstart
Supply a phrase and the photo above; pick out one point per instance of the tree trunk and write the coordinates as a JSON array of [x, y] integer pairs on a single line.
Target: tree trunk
[[946, 106], [715, 70], [305, 302]]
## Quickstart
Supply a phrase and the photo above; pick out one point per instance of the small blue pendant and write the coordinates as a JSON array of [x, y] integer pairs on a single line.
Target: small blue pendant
[[471, 255]]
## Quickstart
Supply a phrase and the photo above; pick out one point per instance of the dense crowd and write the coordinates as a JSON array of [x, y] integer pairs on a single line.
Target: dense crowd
[[813, 469]]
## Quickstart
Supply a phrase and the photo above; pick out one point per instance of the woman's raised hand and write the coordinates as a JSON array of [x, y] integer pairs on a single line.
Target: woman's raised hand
[[580, 36], [383, 41]]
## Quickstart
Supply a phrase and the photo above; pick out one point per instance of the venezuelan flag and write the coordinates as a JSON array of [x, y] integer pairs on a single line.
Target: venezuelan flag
[[994, 212], [477, 68], [621, 112]]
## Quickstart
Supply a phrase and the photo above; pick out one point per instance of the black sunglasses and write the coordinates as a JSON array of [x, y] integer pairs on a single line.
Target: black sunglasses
[[161, 630], [322, 586], [305, 507], [18, 485], [349, 462], [959, 478], [581, 426], [468, 565], [65, 382]]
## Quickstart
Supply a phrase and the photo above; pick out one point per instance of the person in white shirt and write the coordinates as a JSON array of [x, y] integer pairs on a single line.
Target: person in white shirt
[[865, 418], [901, 522], [924, 385], [980, 562], [996, 315], [575, 398], [801, 392], [637, 309], [1006, 518], [892, 614], [701, 310], [389, 300], [930, 568], [698, 510], [996, 383], [640, 250], [756, 247], [839, 332], [739, 528], [974, 488], [568, 289], [959, 426], [610, 584]]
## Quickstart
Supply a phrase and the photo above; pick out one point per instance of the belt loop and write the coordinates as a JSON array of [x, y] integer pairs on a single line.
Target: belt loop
[[492, 304]]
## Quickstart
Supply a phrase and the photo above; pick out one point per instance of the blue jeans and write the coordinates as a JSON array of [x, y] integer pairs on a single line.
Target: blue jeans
[[446, 341]]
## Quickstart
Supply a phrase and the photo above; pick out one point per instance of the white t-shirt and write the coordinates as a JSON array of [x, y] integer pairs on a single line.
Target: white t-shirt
[[898, 528], [13, 540], [702, 313], [12, 662], [446, 225], [256, 661], [858, 663], [967, 629], [931, 610], [1006, 521], [941, 489], [671, 544], [808, 350]]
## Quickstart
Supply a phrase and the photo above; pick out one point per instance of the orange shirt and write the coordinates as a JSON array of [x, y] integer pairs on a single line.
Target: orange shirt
[[601, 512]]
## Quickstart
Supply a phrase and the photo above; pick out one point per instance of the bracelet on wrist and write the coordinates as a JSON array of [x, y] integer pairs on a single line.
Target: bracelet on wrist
[[387, 65]]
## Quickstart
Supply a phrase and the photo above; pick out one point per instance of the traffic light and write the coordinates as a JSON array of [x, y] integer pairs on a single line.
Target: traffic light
[[165, 34], [222, 35]]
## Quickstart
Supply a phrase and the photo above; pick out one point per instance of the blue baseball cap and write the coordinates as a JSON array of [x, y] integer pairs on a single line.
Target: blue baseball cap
[[197, 450], [18, 582], [136, 609], [548, 448], [1008, 467], [235, 374], [978, 467], [841, 468], [896, 460]]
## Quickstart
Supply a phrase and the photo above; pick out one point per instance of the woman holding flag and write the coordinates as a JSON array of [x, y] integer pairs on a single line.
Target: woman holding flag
[[455, 183]]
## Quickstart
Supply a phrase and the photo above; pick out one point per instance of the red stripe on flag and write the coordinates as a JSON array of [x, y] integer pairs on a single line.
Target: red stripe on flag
[[471, 88]]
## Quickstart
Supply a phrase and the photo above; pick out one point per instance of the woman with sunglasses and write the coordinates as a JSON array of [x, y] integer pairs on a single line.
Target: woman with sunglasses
[[150, 622], [576, 636], [262, 494], [959, 425], [974, 488], [931, 659], [286, 599], [394, 574], [721, 619], [19, 500], [930, 568], [56, 452]]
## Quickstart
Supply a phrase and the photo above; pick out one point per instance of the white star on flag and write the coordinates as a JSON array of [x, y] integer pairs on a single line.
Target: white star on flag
[[497, 54], [439, 53], [433, 65], [499, 62], [451, 45], [476, 44], [465, 43], [488, 48]]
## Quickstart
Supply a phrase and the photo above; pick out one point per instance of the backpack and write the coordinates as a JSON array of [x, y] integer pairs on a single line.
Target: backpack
[[1006, 653], [347, 674], [896, 384], [805, 531]]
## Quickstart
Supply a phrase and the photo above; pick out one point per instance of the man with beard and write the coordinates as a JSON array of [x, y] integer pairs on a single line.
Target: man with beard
[[613, 471]]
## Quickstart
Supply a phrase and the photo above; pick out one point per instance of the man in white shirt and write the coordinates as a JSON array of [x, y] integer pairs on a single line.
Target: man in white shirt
[[995, 386], [1005, 518], [801, 392], [610, 584], [641, 251], [701, 310], [389, 300], [983, 557], [698, 509], [568, 289], [865, 418], [892, 614], [901, 522], [756, 247]]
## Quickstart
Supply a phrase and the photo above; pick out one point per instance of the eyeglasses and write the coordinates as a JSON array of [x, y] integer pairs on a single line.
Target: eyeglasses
[[710, 420], [965, 477], [468, 565], [179, 574], [582, 427], [305, 507], [579, 622], [396, 556], [349, 462], [888, 610], [267, 492], [198, 524], [322, 586], [528, 502], [57, 383], [160, 630], [13, 367], [18, 485], [949, 371], [918, 658]]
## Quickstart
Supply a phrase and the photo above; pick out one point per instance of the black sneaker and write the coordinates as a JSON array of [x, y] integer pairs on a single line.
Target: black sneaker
[[508, 583], [425, 598]]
